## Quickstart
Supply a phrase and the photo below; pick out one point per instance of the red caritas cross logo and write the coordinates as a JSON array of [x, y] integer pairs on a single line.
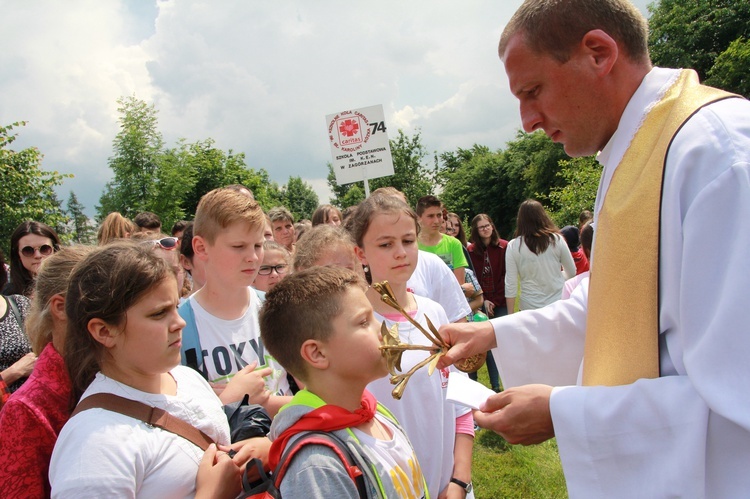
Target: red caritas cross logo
[[349, 128], [349, 131]]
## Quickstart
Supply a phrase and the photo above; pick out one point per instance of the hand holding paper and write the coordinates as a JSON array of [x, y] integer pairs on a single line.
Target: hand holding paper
[[464, 391]]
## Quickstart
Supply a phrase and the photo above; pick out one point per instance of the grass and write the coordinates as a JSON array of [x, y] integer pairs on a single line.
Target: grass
[[502, 470]]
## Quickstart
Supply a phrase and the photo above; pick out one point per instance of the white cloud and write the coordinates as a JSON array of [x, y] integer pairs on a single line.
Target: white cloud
[[258, 77]]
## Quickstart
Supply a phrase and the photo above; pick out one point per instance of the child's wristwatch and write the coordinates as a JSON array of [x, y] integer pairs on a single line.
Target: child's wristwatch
[[468, 487]]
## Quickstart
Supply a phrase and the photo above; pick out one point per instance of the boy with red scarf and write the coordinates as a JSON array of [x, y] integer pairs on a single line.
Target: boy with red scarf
[[319, 325]]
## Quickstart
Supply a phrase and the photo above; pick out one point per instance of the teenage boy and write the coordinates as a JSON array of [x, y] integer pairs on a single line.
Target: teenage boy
[[320, 325], [448, 248], [222, 337], [147, 222], [282, 224]]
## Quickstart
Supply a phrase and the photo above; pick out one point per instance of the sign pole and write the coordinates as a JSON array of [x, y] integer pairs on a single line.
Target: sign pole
[[367, 182]]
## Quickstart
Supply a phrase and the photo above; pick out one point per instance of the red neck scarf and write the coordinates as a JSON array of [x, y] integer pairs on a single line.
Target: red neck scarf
[[325, 418]]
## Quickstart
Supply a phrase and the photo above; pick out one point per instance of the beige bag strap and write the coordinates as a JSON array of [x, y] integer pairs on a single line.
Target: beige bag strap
[[152, 416]]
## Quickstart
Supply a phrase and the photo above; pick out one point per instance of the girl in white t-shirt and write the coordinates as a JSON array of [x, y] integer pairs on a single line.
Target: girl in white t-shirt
[[385, 231], [124, 336]]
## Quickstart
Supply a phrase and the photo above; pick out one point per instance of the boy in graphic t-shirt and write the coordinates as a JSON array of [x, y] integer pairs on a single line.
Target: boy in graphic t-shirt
[[228, 239]]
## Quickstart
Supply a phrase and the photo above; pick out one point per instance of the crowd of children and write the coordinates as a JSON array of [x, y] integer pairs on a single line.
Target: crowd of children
[[237, 305]]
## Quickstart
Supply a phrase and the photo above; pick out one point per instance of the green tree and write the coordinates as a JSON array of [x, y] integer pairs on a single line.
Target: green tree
[[208, 168], [581, 177], [354, 196], [462, 172], [170, 182], [27, 191], [137, 150], [299, 198], [731, 71], [82, 231], [694, 33], [412, 175], [478, 180]]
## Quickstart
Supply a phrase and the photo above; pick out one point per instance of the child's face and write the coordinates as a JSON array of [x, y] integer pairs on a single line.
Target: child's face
[[339, 256], [354, 347], [283, 232], [172, 257], [389, 247], [268, 232], [333, 218], [150, 342], [197, 269], [271, 259], [235, 256], [451, 227], [432, 220]]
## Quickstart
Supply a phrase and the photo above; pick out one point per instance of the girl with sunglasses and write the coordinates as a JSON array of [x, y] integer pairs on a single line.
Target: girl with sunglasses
[[30, 243]]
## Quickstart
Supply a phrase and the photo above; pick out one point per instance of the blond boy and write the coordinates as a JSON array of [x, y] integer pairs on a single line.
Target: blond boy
[[222, 336]]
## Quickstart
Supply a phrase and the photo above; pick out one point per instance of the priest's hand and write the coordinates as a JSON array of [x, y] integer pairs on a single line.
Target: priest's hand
[[521, 415], [466, 339]]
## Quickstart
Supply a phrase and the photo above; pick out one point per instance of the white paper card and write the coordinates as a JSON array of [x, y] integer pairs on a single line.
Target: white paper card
[[465, 391]]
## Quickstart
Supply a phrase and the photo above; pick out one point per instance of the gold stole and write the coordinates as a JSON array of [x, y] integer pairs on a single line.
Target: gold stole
[[622, 325]]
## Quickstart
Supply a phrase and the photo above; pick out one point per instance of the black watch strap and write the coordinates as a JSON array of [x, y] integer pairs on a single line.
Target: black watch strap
[[466, 486]]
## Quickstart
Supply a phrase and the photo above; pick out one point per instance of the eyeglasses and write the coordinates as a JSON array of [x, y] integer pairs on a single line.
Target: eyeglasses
[[484, 227], [268, 269], [44, 250], [167, 243]]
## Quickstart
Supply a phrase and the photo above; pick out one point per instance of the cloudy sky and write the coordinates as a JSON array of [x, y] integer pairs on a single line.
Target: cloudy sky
[[258, 77]]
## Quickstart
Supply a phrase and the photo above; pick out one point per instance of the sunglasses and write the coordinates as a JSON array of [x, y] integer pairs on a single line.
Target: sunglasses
[[44, 250], [168, 243], [268, 269]]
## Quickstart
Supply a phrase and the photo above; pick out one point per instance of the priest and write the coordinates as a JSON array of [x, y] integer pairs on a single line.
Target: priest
[[643, 374]]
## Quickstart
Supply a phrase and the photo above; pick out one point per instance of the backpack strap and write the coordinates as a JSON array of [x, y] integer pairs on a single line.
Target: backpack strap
[[16, 312], [152, 416], [191, 349], [256, 481]]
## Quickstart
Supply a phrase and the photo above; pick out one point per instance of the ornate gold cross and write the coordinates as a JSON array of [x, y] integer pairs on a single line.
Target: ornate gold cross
[[392, 348]]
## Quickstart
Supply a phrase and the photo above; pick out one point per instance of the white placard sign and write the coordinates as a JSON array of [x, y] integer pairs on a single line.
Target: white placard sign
[[359, 144]]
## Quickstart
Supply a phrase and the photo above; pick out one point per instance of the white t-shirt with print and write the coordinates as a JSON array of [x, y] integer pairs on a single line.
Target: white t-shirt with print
[[397, 457], [428, 419], [230, 345]]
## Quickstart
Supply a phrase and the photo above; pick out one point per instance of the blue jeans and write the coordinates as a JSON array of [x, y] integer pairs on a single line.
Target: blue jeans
[[491, 366]]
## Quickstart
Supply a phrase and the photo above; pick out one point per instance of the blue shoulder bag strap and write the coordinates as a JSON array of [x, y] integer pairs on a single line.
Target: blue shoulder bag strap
[[191, 344]]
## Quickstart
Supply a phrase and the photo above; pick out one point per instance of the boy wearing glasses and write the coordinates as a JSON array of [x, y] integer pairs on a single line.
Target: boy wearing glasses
[[222, 338]]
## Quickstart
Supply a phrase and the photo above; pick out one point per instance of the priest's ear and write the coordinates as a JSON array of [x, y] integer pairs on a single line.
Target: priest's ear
[[600, 50]]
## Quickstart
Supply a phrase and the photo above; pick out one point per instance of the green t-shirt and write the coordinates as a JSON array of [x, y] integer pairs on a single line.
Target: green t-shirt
[[449, 250]]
